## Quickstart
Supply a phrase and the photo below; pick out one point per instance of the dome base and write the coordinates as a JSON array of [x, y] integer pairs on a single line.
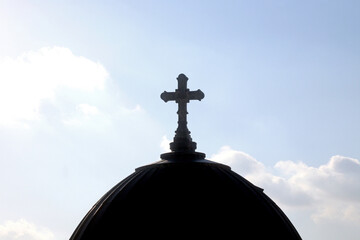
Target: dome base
[[183, 156]]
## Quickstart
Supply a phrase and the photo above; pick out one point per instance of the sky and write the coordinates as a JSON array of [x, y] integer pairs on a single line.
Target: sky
[[80, 107]]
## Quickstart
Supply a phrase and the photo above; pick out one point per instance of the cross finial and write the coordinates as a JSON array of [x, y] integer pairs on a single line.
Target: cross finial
[[182, 146]]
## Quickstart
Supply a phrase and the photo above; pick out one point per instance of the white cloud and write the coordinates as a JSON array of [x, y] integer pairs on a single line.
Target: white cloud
[[334, 187], [165, 144], [24, 230], [87, 109], [242, 162], [35, 77], [86, 116], [130, 111], [331, 192]]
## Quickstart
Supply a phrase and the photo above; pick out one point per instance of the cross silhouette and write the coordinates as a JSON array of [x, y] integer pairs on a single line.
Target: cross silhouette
[[182, 141]]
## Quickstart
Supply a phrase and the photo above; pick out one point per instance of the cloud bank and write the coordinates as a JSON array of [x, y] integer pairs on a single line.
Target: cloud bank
[[24, 230], [331, 192], [37, 78]]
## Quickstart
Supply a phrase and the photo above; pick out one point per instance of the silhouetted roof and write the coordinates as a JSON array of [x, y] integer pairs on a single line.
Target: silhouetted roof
[[191, 198], [185, 195]]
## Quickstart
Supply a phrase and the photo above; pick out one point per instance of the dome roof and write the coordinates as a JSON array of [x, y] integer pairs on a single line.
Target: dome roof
[[185, 195], [191, 198]]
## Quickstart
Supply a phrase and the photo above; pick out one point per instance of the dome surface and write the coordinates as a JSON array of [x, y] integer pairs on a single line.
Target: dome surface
[[191, 198]]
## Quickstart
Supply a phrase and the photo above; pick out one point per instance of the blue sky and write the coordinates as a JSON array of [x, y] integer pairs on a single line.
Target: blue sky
[[80, 107]]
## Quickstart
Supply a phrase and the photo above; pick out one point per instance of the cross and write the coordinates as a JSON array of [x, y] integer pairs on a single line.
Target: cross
[[182, 140]]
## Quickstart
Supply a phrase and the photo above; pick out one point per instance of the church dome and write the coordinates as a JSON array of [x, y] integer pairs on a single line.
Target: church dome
[[185, 195], [194, 198]]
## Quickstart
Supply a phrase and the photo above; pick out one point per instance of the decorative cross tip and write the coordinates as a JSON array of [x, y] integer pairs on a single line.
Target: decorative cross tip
[[182, 145]]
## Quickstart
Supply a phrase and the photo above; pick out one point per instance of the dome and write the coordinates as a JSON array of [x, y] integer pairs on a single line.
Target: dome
[[185, 195], [192, 198]]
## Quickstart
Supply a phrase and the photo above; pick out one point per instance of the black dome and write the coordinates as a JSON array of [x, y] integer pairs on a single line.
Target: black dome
[[185, 195], [190, 198]]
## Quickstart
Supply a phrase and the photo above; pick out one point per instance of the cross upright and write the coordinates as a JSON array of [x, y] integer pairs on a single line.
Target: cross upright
[[182, 141]]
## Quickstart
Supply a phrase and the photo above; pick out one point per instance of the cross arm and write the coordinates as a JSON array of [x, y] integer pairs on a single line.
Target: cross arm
[[168, 96], [196, 95]]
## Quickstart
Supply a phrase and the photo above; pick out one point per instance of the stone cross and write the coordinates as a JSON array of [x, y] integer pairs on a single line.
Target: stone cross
[[182, 141]]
